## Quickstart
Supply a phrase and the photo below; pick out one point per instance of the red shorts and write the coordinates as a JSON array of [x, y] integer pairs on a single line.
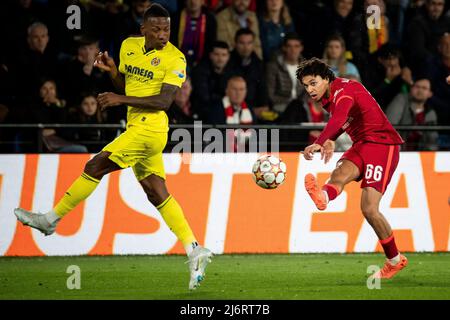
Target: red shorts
[[376, 163]]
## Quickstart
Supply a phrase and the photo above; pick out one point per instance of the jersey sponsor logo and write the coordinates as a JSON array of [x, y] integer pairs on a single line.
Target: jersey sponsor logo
[[155, 61], [180, 74], [139, 71], [130, 53], [370, 182]]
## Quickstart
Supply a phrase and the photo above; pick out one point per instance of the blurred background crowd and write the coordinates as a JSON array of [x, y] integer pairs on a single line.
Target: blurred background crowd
[[242, 55]]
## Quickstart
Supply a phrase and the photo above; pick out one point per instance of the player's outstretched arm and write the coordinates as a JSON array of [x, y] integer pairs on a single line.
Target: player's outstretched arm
[[105, 63], [160, 102]]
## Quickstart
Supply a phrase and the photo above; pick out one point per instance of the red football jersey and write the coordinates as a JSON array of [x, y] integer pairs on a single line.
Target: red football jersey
[[353, 110]]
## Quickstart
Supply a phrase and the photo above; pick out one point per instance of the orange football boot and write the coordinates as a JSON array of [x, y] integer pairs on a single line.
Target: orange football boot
[[389, 270], [317, 195]]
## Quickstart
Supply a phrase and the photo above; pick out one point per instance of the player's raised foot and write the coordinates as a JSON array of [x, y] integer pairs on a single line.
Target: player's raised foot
[[317, 195], [35, 220], [198, 260], [389, 270]]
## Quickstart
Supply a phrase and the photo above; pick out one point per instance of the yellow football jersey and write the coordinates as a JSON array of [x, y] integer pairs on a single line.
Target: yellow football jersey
[[145, 72]]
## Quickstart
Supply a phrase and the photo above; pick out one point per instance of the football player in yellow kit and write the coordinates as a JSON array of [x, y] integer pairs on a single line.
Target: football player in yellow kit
[[150, 72]]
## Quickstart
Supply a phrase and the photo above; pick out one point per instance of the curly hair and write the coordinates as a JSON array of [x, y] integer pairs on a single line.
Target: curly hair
[[314, 67]]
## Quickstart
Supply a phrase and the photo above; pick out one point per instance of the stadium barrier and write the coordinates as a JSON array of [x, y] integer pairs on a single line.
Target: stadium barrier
[[200, 138], [226, 210]]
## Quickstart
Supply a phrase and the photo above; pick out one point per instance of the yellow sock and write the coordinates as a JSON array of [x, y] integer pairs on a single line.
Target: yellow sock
[[174, 217], [78, 191]]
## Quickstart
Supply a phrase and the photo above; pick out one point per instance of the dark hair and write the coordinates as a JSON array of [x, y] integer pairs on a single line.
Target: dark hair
[[100, 116], [421, 77], [220, 44], [243, 31], [314, 67], [85, 94], [156, 11], [291, 36], [389, 51], [86, 40]]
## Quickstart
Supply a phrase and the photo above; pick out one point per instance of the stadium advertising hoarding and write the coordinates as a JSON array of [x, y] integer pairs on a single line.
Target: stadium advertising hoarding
[[227, 211]]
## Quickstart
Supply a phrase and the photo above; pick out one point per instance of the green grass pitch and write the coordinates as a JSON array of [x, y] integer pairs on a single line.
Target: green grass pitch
[[295, 276]]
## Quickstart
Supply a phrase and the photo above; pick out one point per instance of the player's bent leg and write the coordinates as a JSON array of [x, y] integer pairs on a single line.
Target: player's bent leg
[[80, 189], [370, 201], [345, 172], [199, 257], [101, 165]]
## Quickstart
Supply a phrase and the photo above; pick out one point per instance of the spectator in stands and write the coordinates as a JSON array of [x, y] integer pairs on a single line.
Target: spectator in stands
[[438, 70], [132, 20], [209, 79], [218, 5], [81, 76], [107, 22], [396, 12], [247, 64], [232, 109], [365, 46], [235, 17], [424, 31], [413, 109], [379, 34], [346, 23], [274, 23], [180, 111], [88, 112], [194, 31], [389, 77], [52, 109], [334, 55], [15, 18], [282, 83], [311, 22], [64, 39], [34, 64], [415, 8], [173, 6], [110, 6]]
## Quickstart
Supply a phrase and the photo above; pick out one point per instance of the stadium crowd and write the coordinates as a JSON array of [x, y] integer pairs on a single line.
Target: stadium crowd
[[242, 57]]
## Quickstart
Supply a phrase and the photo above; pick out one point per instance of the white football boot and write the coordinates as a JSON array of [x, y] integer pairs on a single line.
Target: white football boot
[[198, 260], [35, 220]]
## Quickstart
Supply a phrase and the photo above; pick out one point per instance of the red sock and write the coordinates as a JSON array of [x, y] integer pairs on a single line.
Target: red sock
[[331, 190], [389, 247]]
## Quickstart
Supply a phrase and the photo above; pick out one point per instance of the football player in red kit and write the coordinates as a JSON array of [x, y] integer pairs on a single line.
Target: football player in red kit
[[372, 158]]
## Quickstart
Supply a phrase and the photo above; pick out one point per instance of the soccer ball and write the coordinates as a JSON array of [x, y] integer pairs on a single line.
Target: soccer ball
[[269, 172]]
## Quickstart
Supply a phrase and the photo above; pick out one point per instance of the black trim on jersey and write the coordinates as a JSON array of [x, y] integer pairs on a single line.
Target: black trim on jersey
[[145, 52]]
